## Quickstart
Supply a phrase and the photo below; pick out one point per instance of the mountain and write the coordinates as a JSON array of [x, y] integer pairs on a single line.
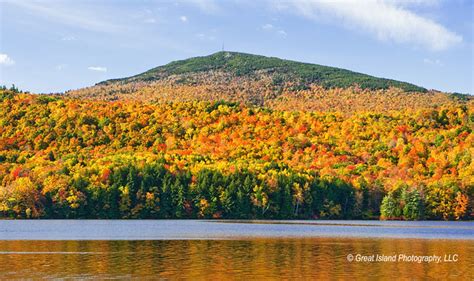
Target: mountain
[[248, 65], [237, 136], [266, 81]]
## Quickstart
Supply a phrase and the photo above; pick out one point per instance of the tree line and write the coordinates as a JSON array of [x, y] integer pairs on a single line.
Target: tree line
[[68, 158]]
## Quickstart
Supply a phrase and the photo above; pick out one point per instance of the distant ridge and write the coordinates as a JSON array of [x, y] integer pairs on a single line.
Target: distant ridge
[[302, 75], [268, 82]]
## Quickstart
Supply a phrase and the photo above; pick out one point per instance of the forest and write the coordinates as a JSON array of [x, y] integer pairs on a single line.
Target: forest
[[271, 83], [250, 65], [63, 157]]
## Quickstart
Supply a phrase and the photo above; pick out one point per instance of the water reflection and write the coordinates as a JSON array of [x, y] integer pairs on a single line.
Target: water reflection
[[321, 258]]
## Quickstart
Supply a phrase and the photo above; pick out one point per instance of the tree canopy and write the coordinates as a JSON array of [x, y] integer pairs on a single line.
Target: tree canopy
[[67, 158]]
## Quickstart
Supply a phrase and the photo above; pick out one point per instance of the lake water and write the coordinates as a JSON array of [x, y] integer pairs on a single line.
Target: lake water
[[191, 249]]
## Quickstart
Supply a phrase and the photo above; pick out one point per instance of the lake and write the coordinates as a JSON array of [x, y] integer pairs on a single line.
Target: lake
[[199, 249]]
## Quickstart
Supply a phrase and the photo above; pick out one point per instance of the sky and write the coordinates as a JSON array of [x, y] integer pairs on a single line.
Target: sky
[[58, 45]]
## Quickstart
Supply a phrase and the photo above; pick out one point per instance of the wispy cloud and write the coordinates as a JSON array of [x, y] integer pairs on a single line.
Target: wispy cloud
[[207, 6], [282, 33], [6, 60], [68, 38], [98, 68], [60, 67], [387, 20], [68, 15], [203, 36], [271, 28], [143, 15], [183, 18], [150, 20], [414, 3], [432, 62]]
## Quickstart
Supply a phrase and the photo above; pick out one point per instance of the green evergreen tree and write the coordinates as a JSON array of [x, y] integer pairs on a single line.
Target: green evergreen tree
[[390, 208], [413, 209], [166, 203]]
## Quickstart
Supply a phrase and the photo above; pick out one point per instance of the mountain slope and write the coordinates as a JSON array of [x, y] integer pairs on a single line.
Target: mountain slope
[[248, 65], [76, 158], [269, 82]]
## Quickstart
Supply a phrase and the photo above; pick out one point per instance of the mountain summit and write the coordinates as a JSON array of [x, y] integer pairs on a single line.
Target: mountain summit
[[265, 81], [280, 70]]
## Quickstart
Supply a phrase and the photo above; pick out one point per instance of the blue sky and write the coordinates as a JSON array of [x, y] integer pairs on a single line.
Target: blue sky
[[53, 46]]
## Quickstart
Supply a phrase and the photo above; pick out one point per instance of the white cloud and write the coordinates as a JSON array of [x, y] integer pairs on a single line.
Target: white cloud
[[282, 33], [66, 13], [267, 26], [60, 67], [270, 28], [150, 20], [415, 2], [6, 60], [433, 62], [69, 38], [207, 6], [143, 15], [98, 68], [203, 36], [387, 20], [183, 18]]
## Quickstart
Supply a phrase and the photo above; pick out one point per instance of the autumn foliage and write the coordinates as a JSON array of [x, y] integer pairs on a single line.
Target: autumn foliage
[[62, 157]]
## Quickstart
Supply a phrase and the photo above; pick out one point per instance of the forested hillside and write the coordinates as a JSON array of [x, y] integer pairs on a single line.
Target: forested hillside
[[77, 158], [248, 65], [269, 82]]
